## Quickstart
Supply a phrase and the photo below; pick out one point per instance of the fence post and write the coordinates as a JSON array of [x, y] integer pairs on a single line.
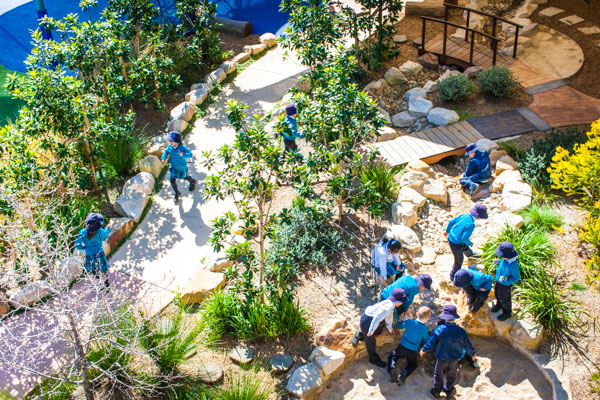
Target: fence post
[[516, 41], [472, 43], [495, 48], [423, 37], [494, 22], [444, 43], [466, 31]]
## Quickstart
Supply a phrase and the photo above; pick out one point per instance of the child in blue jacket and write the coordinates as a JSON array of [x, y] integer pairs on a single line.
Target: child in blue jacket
[[478, 169], [507, 274], [176, 154], [90, 240], [291, 133], [411, 286], [415, 335], [447, 342], [459, 231], [476, 285]]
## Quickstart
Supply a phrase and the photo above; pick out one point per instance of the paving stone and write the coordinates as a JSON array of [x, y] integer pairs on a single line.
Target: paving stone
[[281, 363], [242, 354], [209, 372], [590, 30], [571, 20], [551, 12], [400, 38]]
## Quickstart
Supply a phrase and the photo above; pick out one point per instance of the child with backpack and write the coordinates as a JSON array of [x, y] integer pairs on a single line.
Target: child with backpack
[[176, 154], [90, 240]]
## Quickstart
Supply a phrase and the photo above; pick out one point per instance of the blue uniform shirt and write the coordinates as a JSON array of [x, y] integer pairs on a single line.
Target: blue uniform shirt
[[448, 341], [177, 162], [509, 270], [482, 281], [415, 335], [94, 245], [292, 134], [460, 229], [410, 286], [479, 168]]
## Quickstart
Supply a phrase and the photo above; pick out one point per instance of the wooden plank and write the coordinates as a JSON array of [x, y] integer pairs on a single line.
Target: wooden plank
[[469, 128], [400, 147], [455, 141], [437, 157], [464, 132], [419, 146], [435, 147], [437, 136], [386, 155], [391, 150], [459, 134]]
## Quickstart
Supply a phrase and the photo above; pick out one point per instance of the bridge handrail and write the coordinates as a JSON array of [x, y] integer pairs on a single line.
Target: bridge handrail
[[493, 38], [495, 17]]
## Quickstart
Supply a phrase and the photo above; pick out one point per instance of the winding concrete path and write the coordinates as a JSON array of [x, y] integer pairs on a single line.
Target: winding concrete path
[[167, 247]]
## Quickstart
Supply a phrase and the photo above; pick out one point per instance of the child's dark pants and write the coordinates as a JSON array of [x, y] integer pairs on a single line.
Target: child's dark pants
[[174, 182], [365, 323], [290, 145], [401, 352], [459, 251], [476, 297], [503, 297], [444, 368]]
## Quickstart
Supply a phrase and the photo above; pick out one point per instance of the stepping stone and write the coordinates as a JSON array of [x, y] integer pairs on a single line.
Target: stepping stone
[[210, 372], [400, 39], [571, 20], [281, 363], [242, 354], [592, 30], [551, 12]]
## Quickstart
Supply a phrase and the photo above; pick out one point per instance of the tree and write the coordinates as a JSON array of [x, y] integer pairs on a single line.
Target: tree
[[198, 21]]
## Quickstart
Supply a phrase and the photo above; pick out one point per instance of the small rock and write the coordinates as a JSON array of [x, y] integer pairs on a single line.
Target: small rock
[[415, 92], [429, 61], [305, 381], [394, 77], [281, 363], [421, 166], [486, 144], [184, 111], [473, 71], [255, 48], [383, 112], [404, 213], [495, 155], [409, 239], [528, 30], [241, 58], [419, 107], [201, 285], [410, 195], [403, 119], [151, 164], [400, 39], [417, 42], [435, 190], [410, 68], [197, 96], [326, 359], [159, 144], [376, 87], [215, 77], [209, 372], [442, 116], [387, 133], [242, 354], [526, 10], [204, 86], [228, 66], [430, 86], [505, 163], [268, 39]]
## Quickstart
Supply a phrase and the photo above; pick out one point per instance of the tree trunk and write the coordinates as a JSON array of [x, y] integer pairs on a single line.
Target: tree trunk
[[82, 358], [88, 152], [340, 200], [261, 239]]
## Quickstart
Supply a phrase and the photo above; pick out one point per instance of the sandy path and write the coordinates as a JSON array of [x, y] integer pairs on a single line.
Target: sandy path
[[504, 374]]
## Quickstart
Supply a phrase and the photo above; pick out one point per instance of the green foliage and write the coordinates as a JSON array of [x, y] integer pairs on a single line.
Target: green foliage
[[511, 148], [378, 179], [197, 20], [535, 161], [578, 287], [496, 81], [248, 384], [595, 382], [50, 390], [9, 107], [541, 218], [455, 88], [122, 152], [191, 390]]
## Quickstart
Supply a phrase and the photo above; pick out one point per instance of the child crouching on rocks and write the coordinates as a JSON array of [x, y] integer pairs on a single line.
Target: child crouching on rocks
[[176, 154], [90, 240]]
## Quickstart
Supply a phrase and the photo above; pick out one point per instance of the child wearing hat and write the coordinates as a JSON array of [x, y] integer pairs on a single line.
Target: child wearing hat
[[476, 285], [459, 231], [416, 334], [386, 261], [478, 169], [411, 286], [177, 154], [447, 342], [90, 240], [507, 274], [372, 320], [291, 133]]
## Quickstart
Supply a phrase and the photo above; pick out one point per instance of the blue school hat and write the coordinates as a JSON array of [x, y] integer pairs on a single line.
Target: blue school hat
[[174, 136], [424, 280], [470, 148], [93, 222], [449, 312], [506, 250], [462, 278], [479, 211], [398, 294], [291, 109]]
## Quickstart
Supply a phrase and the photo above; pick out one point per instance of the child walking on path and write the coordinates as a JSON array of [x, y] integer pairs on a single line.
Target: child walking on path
[[476, 285], [291, 133], [372, 321], [176, 154], [447, 343], [416, 334], [478, 169], [386, 261], [507, 274], [90, 240], [459, 232]]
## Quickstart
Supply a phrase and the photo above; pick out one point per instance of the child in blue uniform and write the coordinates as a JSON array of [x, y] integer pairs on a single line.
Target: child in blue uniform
[[416, 334], [386, 261], [478, 169], [476, 285], [447, 342], [90, 240], [411, 286], [507, 274], [291, 133], [176, 154], [459, 233]]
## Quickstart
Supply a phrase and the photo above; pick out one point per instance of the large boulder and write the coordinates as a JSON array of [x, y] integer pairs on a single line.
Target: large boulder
[[337, 335], [411, 68], [184, 111], [404, 213], [394, 77], [268, 39], [413, 180], [527, 333], [419, 107], [479, 323], [410, 195], [387, 133], [487, 144], [151, 164], [418, 165], [178, 125], [326, 359], [426, 256], [403, 119], [409, 239], [158, 144], [305, 381], [505, 163], [442, 116], [504, 218], [504, 178], [429, 61], [495, 155], [430, 86], [30, 294], [255, 48], [131, 204], [515, 196], [435, 190], [415, 92], [142, 182], [119, 229], [217, 261], [197, 96], [215, 77], [201, 285], [207, 87]]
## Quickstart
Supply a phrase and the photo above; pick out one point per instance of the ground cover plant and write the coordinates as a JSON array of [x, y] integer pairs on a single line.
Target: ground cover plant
[[379, 180], [496, 81], [542, 218], [455, 88]]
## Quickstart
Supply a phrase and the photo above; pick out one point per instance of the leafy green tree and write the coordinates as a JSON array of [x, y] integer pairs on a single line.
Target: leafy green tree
[[198, 21], [379, 23]]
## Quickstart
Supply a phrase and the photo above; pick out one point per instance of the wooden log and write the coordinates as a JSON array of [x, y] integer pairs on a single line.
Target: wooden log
[[238, 28], [429, 8]]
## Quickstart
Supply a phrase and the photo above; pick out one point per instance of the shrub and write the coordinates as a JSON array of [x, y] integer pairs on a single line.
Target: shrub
[[246, 385], [455, 87], [496, 81], [590, 233], [541, 218], [122, 153], [379, 181], [48, 390]]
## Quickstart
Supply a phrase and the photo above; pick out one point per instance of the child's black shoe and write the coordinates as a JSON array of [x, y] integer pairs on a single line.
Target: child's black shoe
[[496, 307], [402, 377], [450, 393], [378, 362], [474, 364], [504, 316], [177, 197], [192, 185], [435, 394]]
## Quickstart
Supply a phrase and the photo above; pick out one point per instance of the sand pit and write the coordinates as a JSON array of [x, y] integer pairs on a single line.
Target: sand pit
[[503, 374]]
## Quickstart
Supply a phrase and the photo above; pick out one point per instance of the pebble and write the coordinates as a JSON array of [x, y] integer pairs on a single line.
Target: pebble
[[281, 363]]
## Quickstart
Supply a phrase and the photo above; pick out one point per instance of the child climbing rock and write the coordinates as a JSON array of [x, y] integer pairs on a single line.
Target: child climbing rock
[[416, 334], [459, 232], [476, 285], [478, 169], [372, 321], [90, 240], [176, 154], [291, 133], [411, 286], [447, 342], [386, 261], [507, 274]]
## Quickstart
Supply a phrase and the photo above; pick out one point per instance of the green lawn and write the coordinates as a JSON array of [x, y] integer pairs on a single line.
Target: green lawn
[[9, 108]]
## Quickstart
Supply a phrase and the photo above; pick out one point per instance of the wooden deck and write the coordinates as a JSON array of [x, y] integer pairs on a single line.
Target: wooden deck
[[430, 145], [458, 51]]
